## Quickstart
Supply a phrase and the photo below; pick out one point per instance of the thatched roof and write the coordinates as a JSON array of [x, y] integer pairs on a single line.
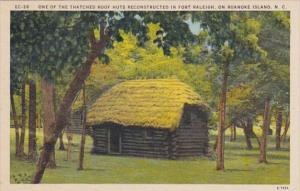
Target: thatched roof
[[156, 103]]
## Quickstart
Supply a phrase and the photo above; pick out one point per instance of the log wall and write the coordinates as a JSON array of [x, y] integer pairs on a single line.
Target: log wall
[[135, 143], [189, 140], [100, 139]]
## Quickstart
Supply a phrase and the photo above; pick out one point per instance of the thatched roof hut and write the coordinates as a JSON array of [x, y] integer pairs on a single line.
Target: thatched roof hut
[[155, 118]]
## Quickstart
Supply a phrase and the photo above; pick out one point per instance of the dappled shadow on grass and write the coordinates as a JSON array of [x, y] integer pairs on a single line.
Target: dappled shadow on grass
[[237, 170], [59, 167], [280, 157], [94, 169], [68, 167], [256, 155], [273, 163], [279, 150]]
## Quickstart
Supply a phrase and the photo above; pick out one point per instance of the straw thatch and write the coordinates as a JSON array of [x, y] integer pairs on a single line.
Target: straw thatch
[[156, 103]]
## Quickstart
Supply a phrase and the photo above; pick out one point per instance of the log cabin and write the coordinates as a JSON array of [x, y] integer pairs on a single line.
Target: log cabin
[[157, 118]]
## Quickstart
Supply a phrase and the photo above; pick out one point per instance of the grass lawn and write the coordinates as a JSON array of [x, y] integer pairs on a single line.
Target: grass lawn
[[241, 167]]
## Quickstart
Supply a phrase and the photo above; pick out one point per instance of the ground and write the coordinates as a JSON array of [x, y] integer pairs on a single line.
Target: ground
[[241, 167]]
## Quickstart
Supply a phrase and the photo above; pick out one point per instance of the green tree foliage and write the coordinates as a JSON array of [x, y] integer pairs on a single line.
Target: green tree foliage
[[149, 61], [44, 43], [128, 60]]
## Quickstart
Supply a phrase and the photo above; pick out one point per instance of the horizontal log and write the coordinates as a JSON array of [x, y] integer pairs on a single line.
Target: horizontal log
[[146, 154], [190, 149], [142, 140], [144, 149], [139, 144], [189, 155], [191, 133], [100, 137], [100, 144], [159, 137], [200, 140]]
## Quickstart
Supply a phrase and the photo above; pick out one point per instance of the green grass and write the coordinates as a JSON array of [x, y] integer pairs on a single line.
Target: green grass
[[241, 167]]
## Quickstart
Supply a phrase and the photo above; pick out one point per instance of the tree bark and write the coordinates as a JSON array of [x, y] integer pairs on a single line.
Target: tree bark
[[61, 142], [278, 128], [263, 142], [23, 123], [69, 138], [82, 144], [234, 132], [69, 149], [251, 133], [61, 116], [43, 160], [286, 128], [247, 132], [48, 116], [16, 124], [222, 113], [52, 163], [32, 153]]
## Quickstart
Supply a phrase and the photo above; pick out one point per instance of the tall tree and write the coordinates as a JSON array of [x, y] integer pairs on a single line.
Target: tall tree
[[286, 127], [16, 123], [17, 73], [23, 120], [233, 41], [48, 115], [61, 141], [278, 128], [276, 33], [266, 126], [32, 150], [83, 132]]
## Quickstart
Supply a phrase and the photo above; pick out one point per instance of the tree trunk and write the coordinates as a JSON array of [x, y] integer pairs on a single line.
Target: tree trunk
[[61, 116], [286, 128], [48, 116], [231, 133], [69, 149], [43, 160], [23, 123], [247, 132], [263, 142], [234, 132], [251, 132], [82, 144], [16, 124], [52, 163], [248, 140], [278, 128], [32, 153], [222, 113], [69, 138], [61, 142]]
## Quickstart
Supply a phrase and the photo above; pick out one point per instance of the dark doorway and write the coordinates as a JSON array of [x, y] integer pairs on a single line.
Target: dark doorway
[[115, 140]]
